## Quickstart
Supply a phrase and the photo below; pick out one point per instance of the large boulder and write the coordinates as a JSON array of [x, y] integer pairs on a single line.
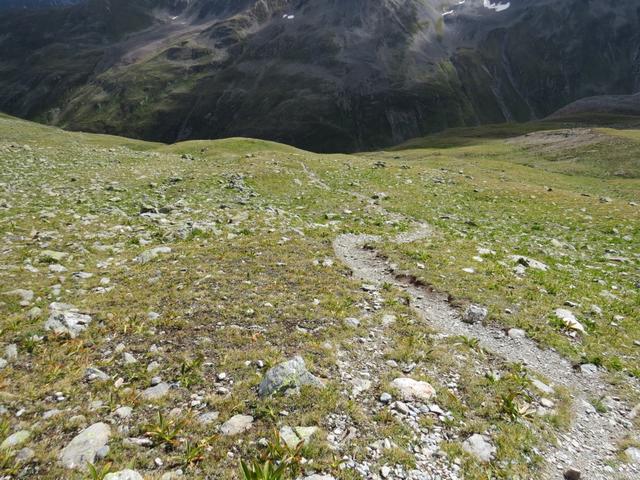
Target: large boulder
[[85, 446], [290, 374]]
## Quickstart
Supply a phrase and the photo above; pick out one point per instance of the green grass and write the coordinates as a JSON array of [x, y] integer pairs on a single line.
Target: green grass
[[250, 224]]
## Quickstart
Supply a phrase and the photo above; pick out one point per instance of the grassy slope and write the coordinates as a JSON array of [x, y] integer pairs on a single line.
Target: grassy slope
[[241, 279]]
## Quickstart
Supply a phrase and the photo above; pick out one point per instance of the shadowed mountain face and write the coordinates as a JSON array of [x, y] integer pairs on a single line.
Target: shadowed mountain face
[[330, 75], [28, 4]]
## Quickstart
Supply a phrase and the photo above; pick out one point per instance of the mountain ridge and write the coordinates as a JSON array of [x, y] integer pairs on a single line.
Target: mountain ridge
[[341, 76]]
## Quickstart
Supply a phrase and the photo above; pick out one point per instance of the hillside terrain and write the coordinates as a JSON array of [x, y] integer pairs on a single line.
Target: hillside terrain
[[330, 76], [464, 305], [29, 4]]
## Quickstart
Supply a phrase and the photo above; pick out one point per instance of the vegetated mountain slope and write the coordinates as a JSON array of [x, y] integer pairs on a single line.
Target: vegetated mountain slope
[[26, 4], [331, 75], [602, 104]]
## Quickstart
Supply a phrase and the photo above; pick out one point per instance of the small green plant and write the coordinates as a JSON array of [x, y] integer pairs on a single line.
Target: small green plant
[[193, 454], [164, 432], [279, 461], [98, 473], [262, 471], [4, 427], [599, 405], [191, 372], [472, 343]]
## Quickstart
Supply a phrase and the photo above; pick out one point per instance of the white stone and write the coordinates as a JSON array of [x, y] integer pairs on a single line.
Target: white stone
[[411, 389], [569, 319]]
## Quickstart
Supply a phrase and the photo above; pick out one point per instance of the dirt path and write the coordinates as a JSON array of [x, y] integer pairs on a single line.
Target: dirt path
[[590, 442]]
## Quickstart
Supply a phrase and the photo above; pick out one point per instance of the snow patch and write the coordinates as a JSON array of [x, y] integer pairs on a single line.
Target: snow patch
[[498, 7]]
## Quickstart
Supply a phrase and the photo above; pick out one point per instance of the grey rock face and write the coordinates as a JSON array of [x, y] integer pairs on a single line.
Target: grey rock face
[[84, 447], [290, 374]]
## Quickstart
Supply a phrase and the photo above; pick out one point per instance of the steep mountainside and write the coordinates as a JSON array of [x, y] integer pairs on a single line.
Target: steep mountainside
[[24, 4], [324, 75]]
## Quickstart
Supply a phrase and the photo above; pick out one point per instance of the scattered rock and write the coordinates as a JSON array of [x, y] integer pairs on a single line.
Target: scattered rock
[[293, 436], [128, 358], [148, 255], [479, 447], [50, 256], [352, 322], [530, 263], [84, 447], [572, 474], [65, 319], [633, 454], [385, 398], [475, 314], [124, 412], [11, 352], [93, 373], [15, 440], [236, 425], [588, 369], [543, 387], [411, 389], [569, 319], [24, 455], [290, 374], [175, 475], [156, 392], [124, 475], [208, 418], [26, 296], [516, 333]]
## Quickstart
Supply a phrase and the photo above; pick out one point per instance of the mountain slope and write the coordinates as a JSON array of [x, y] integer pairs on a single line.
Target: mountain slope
[[188, 271], [331, 76], [27, 4]]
